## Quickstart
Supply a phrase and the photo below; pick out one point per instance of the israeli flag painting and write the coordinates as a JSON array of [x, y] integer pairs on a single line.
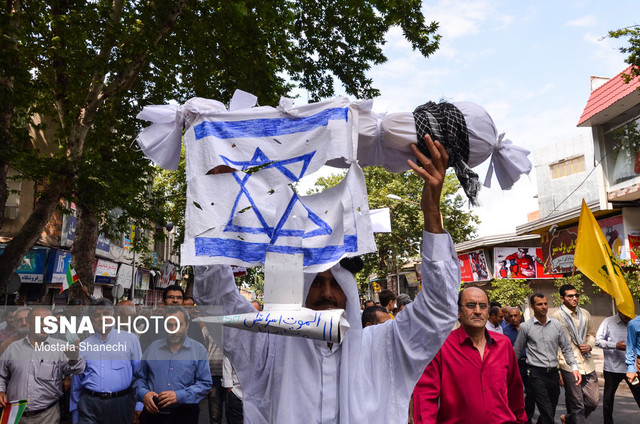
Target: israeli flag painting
[[240, 201]]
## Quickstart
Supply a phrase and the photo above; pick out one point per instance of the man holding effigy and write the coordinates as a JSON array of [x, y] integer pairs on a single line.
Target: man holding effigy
[[294, 379]]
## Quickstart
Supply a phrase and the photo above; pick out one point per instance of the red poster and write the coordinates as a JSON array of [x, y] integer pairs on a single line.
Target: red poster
[[634, 243], [466, 272]]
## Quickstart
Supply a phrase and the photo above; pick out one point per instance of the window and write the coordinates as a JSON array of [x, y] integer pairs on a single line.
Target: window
[[567, 167]]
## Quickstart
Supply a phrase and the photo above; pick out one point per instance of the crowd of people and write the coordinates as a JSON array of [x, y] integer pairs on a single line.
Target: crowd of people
[[447, 356]]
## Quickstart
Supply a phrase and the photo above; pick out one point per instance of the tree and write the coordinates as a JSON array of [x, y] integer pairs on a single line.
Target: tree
[[85, 68], [508, 291], [576, 281], [406, 217], [633, 50]]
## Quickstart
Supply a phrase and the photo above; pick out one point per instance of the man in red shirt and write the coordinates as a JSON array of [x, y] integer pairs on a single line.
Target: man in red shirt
[[474, 378]]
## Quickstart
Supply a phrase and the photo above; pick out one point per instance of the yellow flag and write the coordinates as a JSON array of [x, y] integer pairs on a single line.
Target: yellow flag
[[594, 259]]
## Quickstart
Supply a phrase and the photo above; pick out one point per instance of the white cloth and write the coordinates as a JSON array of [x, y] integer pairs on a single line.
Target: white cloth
[[384, 140], [369, 378], [611, 331], [498, 329]]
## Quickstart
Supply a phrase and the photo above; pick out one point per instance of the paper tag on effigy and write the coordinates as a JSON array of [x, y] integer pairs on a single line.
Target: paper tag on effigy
[[283, 281]]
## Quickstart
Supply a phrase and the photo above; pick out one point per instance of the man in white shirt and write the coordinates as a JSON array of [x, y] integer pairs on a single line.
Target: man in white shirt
[[496, 317], [612, 338], [292, 379]]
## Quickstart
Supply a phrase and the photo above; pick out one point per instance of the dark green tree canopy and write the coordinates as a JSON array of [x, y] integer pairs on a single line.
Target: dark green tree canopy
[[87, 68]]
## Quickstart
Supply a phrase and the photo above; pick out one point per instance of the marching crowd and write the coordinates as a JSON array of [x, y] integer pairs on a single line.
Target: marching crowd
[[481, 372]]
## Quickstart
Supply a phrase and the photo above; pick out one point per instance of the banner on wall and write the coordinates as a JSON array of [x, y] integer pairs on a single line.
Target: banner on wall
[[560, 248], [106, 272], [473, 266], [57, 265], [31, 270], [519, 262]]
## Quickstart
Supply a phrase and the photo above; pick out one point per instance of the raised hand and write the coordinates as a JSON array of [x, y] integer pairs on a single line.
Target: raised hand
[[432, 172]]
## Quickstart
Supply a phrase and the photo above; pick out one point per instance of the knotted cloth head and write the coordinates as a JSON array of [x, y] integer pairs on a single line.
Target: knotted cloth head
[[444, 122]]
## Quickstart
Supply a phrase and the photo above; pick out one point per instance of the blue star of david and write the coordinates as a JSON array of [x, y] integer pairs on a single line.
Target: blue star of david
[[259, 159]]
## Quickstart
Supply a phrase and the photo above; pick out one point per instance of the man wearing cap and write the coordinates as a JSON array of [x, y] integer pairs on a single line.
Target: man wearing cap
[[292, 379]]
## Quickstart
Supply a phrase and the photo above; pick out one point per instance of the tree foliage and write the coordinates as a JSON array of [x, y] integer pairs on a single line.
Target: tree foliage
[[406, 216], [577, 281], [78, 72], [509, 291], [632, 33]]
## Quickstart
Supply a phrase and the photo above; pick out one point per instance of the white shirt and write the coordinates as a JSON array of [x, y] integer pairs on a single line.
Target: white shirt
[[369, 378], [491, 327], [611, 331]]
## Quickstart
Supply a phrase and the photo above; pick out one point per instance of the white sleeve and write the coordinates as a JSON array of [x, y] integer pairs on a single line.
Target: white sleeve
[[216, 293], [409, 342]]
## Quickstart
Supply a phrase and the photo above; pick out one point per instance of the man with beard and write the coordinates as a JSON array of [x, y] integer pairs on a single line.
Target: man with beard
[[370, 376], [173, 376], [102, 393], [583, 398]]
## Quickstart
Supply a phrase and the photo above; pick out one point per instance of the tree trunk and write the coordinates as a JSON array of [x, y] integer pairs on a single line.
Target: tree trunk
[[83, 251], [4, 190], [28, 235]]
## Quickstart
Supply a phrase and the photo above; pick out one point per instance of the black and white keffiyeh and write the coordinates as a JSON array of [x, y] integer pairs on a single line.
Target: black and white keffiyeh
[[444, 122]]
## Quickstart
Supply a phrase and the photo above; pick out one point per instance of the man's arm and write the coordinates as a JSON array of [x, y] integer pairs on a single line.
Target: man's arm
[[602, 336], [198, 390], [216, 293], [590, 340], [630, 358], [433, 313], [427, 393], [567, 351], [521, 341], [76, 389], [136, 355]]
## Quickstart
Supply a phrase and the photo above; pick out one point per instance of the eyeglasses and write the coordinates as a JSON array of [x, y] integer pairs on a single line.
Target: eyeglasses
[[472, 306], [174, 297], [573, 295]]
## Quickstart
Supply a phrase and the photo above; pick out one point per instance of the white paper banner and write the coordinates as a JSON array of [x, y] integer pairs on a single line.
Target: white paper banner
[[330, 326]]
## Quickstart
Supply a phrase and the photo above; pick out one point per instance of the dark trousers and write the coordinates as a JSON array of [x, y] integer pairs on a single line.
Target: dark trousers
[[214, 399], [545, 387], [581, 400], [93, 410], [183, 414], [234, 412], [529, 399], [611, 382]]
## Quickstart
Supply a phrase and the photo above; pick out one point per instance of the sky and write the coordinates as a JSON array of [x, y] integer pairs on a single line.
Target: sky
[[527, 63]]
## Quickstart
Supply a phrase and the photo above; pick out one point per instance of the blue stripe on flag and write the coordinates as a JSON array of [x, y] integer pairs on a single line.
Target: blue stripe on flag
[[255, 252], [268, 127]]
